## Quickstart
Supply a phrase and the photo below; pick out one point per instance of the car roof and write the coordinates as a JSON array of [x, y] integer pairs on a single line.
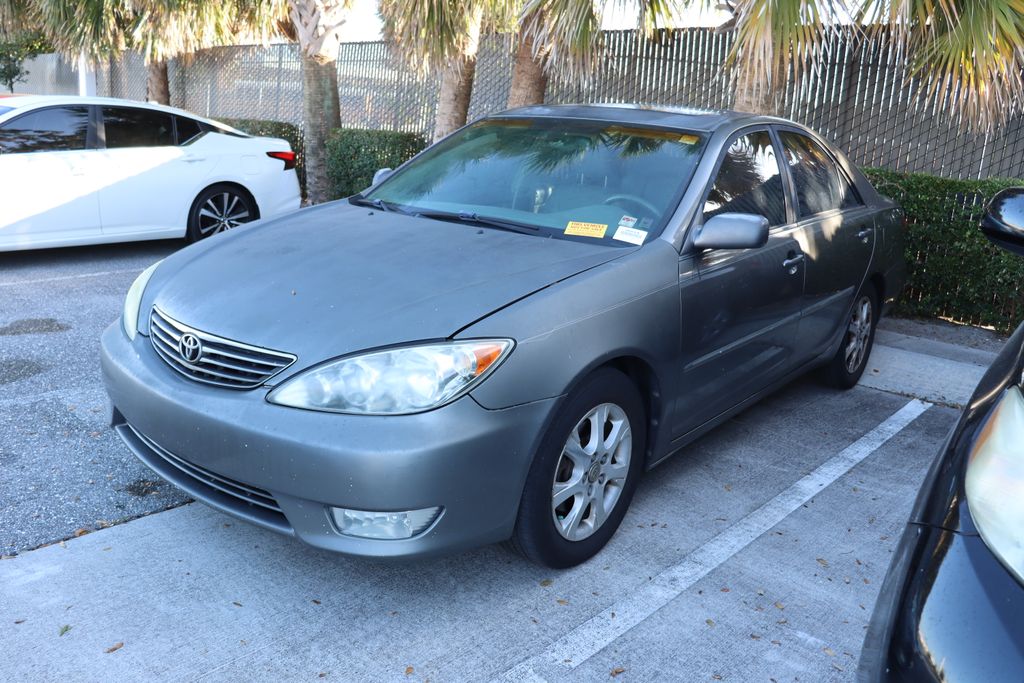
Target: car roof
[[31, 101], [682, 118]]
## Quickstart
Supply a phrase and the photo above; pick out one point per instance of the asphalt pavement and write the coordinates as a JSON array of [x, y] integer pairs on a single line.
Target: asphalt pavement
[[755, 554]]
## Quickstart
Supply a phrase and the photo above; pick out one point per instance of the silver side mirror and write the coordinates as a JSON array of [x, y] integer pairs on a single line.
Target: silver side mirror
[[733, 231], [381, 175]]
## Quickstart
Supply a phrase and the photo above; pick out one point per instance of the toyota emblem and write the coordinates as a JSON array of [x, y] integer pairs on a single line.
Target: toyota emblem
[[190, 348]]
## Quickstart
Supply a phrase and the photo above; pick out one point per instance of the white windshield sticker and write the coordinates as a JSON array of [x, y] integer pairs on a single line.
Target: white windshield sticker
[[631, 235], [627, 222]]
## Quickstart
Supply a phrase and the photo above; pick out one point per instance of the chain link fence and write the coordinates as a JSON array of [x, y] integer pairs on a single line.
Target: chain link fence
[[856, 93]]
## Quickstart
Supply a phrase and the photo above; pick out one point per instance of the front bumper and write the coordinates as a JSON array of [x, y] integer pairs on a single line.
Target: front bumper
[[948, 611], [232, 449]]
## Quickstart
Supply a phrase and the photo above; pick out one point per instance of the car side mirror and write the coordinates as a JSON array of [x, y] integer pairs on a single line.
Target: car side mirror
[[733, 231], [381, 175], [1003, 222]]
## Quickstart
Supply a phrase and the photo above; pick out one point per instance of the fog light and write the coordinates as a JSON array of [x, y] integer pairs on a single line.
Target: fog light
[[384, 525]]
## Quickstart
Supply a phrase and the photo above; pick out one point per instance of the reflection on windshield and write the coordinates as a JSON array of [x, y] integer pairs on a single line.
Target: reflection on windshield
[[578, 179]]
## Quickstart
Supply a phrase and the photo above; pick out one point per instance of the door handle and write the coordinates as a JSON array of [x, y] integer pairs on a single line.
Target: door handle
[[864, 234], [792, 263]]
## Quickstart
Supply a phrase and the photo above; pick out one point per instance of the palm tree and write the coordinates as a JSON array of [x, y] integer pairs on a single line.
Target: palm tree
[[565, 36], [966, 55], [159, 29], [316, 24], [440, 35]]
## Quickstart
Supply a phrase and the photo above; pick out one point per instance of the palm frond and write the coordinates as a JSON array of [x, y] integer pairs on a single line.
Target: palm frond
[[432, 34]]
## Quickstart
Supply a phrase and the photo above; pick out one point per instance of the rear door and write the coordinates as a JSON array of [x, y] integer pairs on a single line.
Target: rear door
[[48, 177], [153, 178], [836, 231], [740, 307]]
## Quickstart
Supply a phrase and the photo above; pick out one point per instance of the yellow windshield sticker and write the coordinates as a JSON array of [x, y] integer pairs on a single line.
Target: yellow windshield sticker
[[689, 139], [586, 229]]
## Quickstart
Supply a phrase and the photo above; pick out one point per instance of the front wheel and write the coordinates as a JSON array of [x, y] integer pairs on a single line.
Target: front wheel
[[845, 370], [584, 475], [219, 208]]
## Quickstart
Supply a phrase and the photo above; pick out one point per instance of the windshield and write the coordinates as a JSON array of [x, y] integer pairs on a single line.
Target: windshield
[[570, 179]]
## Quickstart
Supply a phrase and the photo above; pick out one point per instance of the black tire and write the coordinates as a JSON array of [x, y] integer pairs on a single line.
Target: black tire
[[536, 535], [219, 208], [842, 372]]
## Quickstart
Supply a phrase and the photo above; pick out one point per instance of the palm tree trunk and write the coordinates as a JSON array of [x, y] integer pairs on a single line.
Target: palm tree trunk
[[529, 80], [457, 85], [157, 88], [321, 115]]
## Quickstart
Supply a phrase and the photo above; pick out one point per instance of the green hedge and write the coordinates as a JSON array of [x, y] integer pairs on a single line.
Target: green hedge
[[277, 129], [955, 272], [355, 154]]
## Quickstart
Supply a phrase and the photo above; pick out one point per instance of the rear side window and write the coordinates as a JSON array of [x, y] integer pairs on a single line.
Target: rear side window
[[749, 181], [820, 186], [128, 127], [187, 129], [47, 130]]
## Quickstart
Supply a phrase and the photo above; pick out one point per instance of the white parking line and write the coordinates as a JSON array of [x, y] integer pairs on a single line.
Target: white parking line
[[69, 277], [593, 635]]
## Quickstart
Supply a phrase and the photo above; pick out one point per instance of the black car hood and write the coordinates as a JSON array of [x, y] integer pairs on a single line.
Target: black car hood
[[336, 278]]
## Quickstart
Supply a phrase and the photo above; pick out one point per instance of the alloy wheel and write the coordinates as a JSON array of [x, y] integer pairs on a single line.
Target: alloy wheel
[[858, 334], [221, 212], [591, 472]]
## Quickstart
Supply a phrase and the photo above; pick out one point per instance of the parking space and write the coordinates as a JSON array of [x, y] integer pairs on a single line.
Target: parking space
[[755, 554]]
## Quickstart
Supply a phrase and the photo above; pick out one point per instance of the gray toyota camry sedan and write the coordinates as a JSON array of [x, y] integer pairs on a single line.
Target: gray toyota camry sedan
[[496, 340]]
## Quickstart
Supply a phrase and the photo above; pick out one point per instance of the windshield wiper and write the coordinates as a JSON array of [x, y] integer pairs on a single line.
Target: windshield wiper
[[476, 219], [360, 200]]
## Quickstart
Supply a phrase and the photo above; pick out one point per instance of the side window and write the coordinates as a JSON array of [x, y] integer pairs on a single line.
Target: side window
[[819, 184], [749, 181], [187, 129], [47, 130], [129, 127]]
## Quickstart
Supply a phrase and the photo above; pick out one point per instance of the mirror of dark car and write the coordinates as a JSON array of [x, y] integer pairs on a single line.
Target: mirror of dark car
[[1003, 222], [381, 175], [733, 231]]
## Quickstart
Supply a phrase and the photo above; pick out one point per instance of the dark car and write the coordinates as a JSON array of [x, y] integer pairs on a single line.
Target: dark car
[[497, 339], [952, 604]]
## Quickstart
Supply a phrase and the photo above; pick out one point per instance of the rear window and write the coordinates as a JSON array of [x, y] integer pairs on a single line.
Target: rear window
[[129, 127], [187, 129]]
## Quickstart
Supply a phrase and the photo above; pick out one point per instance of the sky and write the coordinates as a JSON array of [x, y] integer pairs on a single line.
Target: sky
[[364, 24]]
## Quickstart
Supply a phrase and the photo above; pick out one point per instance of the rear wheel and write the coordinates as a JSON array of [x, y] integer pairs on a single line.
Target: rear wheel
[[845, 370], [219, 208], [584, 475]]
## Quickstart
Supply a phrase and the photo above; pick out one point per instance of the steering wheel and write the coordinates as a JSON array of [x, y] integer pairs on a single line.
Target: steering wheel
[[636, 201]]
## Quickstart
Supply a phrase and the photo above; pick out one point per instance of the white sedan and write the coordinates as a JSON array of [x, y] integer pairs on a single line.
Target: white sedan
[[90, 170]]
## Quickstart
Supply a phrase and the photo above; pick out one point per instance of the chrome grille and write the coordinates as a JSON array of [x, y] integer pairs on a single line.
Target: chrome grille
[[220, 361]]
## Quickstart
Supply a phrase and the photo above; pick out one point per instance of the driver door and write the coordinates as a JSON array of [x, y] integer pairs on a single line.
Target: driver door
[[740, 307]]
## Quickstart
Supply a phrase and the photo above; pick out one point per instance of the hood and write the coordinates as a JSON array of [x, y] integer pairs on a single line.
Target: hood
[[336, 279]]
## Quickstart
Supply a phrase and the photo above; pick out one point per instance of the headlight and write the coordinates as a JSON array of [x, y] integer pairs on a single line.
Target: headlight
[[995, 481], [398, 381], [130, 314]]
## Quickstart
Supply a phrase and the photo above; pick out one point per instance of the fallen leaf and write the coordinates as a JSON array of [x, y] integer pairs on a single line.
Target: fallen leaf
[[546, 582], [760, 591], [19, 621], [409, 671], [114, 648], [717, 677], [236, 603], [823, 562], [725, 590], [560, 601], [316, 602], [81, 532], [779, 605], [709, 622], [754, 636], [64, 629], [617, 670], [829, 651]]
